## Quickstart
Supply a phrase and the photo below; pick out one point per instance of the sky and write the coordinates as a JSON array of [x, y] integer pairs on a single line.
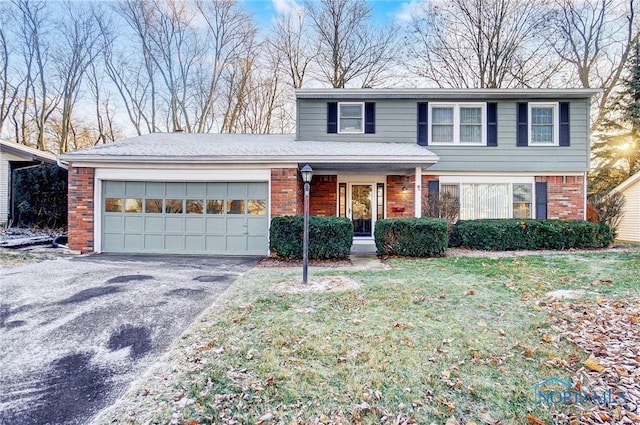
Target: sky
[[383, 10]]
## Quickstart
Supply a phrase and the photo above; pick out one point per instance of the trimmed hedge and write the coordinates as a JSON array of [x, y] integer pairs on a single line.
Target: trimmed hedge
[[512, 234], [329, 237], [41, 196], [412, 237]]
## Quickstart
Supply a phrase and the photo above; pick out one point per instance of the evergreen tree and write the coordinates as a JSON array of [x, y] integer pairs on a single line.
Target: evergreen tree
[[616, 153]]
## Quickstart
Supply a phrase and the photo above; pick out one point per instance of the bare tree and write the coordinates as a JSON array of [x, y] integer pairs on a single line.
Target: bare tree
[[350, 49], [596, 37], [292, 45], [481, 43], [8, 91]]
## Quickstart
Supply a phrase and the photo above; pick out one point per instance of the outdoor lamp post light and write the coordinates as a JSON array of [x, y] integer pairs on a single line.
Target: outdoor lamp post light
[[307, 174]]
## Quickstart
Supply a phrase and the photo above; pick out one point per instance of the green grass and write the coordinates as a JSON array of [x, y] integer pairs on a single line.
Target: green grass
[[15, 258], [427, 339]]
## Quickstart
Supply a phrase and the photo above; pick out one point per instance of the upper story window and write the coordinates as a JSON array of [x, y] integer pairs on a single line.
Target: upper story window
[[543, 123], [457, 123], [351, 117]]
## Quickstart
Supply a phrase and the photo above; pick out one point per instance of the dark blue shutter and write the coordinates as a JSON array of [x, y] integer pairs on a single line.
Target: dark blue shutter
[[564, 124], [369, 117], [332, 117], [523, 124], [434, 190], [541, 200], [492, 124], [423, 124]]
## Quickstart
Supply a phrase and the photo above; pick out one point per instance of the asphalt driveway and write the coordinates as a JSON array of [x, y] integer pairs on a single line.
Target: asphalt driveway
[[74, 333]]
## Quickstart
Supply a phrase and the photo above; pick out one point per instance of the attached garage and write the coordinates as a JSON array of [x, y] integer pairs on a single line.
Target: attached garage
[[191, 217]]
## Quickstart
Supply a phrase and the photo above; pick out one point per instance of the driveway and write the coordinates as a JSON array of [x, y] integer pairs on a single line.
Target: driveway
[[76, 332]]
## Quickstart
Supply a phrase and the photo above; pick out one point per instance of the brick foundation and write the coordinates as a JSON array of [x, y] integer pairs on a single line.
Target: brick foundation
[[286, 192], [81, 209], [565, 197], [323, 200], [397, 198]]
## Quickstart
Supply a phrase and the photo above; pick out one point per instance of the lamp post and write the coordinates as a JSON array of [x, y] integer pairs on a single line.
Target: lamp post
[[307, 174]]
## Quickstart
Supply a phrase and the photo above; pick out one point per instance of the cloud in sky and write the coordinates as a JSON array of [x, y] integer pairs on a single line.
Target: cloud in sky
[[409, 10], [285, 7]]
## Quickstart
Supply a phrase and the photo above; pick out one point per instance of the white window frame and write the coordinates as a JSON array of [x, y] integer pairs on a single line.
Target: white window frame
[[456, 122], [459, 180], [556, 122], [361, 130]]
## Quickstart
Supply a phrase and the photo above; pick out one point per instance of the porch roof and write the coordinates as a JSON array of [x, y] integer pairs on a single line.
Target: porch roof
[[253, 149]]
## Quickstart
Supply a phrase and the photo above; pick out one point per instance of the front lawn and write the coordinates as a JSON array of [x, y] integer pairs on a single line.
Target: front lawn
[[421, 342]]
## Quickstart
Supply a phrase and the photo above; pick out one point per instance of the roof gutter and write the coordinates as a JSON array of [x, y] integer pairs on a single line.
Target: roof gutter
[[61, 163]]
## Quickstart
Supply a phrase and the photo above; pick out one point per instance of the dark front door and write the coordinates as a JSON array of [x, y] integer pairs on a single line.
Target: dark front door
[[361, 209]]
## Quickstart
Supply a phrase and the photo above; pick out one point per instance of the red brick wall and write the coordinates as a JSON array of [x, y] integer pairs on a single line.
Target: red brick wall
[[286, 192], [397, 198], [323, 199], [565, 196], [81, 209]]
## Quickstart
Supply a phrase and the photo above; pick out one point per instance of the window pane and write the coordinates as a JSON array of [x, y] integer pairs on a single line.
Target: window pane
[[350, 124], [153, 205], [235, 206], [470, 115], [113, 205], [470, 134], [522, 196], [351, 118], [380, 201], [342, 200], [542, 133], [215, 206], [542, 115], [442, 133], [173, 206], [194, 206], [442, 115], [484, 201], [350, 111], [257, 207], [133, 205]]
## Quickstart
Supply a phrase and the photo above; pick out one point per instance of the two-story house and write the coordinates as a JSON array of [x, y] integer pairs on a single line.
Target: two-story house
[[376, 153]]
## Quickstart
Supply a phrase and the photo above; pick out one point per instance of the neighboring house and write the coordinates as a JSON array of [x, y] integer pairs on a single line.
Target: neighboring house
[[376, 153], [629, 227], [14, 156]]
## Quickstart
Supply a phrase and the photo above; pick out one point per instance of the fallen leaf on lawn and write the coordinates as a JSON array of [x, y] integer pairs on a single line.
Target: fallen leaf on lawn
[[486, 417], [452, 421], [191, 422], [537, 308], [267, 417], [547, 338], [593, 364], [605, 417], [471, 292], [535, 421], [471, 423], [446, 374], [501, 332], [324, 418], [451, 407]]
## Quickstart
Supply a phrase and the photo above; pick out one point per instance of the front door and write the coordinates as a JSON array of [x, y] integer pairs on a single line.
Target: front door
[[362, 209]]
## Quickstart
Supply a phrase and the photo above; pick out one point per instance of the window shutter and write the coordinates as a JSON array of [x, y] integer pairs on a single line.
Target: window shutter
[[541, 200], [332, 117], [564, 124], [492, 124], [369, 117], [434, 189], [423, 124], [523, 125]]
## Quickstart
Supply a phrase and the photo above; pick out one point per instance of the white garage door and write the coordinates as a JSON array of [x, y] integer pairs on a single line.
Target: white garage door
[[185, 217]]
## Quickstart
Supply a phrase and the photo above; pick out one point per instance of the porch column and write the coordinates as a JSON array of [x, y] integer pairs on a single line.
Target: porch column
[[417, 202]]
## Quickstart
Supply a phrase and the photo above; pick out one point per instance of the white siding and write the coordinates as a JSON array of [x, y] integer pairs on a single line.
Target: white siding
[[4, 189], [629, 227]]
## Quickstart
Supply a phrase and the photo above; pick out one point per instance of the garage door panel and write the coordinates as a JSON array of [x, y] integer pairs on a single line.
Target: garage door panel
[[154, 224], [194, 224], [216, 225], [174, 224], [237, 225], [133, 224], [154, 242], [179, 217]]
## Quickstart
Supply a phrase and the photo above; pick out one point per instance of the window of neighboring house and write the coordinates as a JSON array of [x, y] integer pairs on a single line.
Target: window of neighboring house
[[543, 123], [462, 123], [491, 200], [351, 117]]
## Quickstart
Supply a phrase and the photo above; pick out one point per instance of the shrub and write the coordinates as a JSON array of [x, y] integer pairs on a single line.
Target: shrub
[[411, 237], [608, 208], [41, 196], [511, 234], [329, 237]]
